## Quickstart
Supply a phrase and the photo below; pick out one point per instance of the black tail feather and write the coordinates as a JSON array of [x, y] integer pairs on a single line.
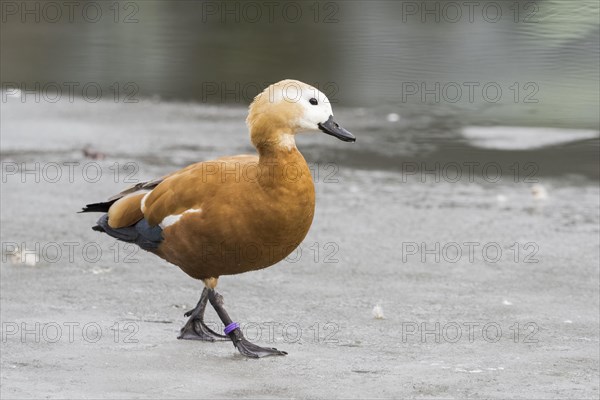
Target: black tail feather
[[98, 228], [98, 207]]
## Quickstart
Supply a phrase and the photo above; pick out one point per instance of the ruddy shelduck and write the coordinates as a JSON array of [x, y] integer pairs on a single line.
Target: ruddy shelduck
[[233, 214]]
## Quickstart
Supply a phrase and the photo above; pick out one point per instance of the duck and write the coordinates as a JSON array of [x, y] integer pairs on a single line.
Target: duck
[[233, 214]]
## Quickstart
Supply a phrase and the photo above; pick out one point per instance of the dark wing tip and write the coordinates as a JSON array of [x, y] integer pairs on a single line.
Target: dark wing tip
[[97, 207]]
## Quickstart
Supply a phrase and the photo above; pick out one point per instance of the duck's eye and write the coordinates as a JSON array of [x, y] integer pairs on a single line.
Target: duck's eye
[[313, 101]]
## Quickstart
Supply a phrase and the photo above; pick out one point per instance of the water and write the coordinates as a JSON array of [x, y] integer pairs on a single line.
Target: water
[[515, 63]]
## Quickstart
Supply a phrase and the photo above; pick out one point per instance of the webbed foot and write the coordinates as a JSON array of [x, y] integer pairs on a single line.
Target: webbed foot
[[195, 328], [251, 350]]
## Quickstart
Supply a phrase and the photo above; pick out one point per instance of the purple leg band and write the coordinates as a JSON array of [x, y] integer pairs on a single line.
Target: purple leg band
[[231, 327]]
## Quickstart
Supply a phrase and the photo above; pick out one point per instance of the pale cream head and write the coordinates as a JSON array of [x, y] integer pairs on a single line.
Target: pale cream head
[[284, 109]]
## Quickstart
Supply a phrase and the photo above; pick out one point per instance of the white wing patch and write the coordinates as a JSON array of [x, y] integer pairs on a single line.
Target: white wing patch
[[143, 202], [173, 219]]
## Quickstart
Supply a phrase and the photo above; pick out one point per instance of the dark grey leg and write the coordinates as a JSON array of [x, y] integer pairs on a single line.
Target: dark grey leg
[[195, 328], [239, 341]]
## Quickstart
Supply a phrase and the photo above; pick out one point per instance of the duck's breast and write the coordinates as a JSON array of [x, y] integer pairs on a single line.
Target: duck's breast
[[246, 224]]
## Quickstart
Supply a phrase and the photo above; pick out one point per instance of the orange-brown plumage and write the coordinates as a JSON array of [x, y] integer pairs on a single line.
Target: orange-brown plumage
[[126, 211], [246, 222]]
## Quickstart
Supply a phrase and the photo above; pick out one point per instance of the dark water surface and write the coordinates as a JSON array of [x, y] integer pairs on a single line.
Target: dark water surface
[[509, 62]]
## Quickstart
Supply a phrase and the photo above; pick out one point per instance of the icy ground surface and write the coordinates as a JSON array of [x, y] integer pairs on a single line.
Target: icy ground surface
[[384, 299]]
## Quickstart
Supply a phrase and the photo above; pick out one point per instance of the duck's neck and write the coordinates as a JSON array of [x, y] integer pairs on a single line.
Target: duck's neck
[[280, 161], [272, 139]]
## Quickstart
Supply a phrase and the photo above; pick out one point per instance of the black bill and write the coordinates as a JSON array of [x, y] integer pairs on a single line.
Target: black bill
[[332, 128]]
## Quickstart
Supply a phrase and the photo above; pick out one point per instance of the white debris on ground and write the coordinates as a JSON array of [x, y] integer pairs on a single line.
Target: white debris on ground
[[378, 312], [100, 270], [539, 192], [18, 256]]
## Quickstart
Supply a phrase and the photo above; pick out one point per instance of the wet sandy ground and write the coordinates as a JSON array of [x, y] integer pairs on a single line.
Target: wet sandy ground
[[516, 320]]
